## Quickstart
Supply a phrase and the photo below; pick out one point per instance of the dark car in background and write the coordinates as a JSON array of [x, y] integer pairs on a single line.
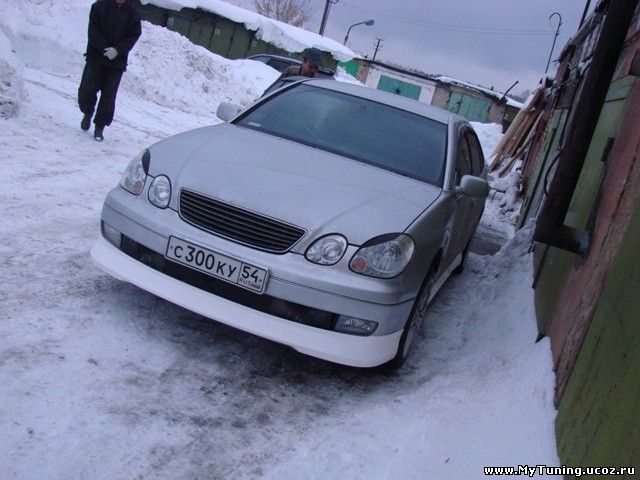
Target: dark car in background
[[282, 82], [281, 63]]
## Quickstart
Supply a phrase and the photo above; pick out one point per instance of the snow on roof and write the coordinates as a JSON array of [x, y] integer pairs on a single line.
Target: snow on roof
[[282, 35], [488, 91]]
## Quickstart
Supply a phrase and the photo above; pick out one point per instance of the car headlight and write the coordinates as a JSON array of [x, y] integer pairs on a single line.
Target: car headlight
[[327, 250], [383, 257], [160, 191], [135, 175]]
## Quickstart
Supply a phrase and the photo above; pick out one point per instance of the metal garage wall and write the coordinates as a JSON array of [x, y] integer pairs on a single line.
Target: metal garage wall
[[599, 415], [589, 304], [400, 87], [472, 108], [552, 264], [217, 34], [408, 86]]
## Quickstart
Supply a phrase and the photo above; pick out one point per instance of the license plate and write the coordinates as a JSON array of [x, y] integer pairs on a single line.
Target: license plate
[[217, 265]]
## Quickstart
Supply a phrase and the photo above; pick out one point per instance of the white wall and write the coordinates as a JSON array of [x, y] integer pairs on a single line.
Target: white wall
[[427, 91]]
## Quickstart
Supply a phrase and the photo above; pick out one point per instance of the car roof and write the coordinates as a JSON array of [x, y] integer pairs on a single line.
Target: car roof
[[302, 78], [387, 98], [278, 57]]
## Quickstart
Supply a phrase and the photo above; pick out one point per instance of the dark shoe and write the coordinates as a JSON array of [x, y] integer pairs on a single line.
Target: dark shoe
[[86, 122], [97, 134]]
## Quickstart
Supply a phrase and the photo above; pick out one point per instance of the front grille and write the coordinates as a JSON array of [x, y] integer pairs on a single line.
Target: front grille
[[237, 224]]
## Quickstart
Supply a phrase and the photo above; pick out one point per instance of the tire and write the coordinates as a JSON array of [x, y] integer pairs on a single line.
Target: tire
[[415, 320]]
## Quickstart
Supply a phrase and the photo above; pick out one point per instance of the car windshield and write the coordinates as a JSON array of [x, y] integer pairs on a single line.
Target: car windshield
[[355, 127]]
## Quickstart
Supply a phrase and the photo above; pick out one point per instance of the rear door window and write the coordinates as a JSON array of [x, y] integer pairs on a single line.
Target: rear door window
[[463, 161], [280, 65], [477, 158]]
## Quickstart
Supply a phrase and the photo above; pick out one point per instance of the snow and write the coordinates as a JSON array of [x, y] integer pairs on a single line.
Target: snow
[[10, 79], [207, 78], [503, 204], [475, 399], [343, 76], [282, 35], [102, 380], [489, 135]]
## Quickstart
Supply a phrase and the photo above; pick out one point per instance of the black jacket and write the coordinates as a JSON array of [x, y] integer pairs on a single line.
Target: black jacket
[[114, 26]]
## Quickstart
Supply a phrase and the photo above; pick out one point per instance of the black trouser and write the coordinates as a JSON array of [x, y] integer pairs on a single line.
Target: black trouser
[[97, 78]]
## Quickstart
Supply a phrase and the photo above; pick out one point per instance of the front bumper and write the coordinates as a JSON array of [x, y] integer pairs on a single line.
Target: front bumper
[[329, 345], [291, 277], [299, 307]]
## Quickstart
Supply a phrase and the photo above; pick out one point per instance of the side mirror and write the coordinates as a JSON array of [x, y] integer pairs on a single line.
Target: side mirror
[[473, 186], [227, 111]]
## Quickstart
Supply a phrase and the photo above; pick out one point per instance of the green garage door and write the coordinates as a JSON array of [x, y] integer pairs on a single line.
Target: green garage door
[[472, 108], [200, 32], [394, 85], [222, 36]]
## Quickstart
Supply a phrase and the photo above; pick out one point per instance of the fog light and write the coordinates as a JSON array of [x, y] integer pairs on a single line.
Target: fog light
[[355, 326], [112, 235]]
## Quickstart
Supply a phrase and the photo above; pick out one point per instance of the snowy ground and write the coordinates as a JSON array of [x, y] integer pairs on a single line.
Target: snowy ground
[[102, 380]]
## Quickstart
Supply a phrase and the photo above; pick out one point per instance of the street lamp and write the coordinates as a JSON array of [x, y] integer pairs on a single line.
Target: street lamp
[[368, 23], [554, 38]]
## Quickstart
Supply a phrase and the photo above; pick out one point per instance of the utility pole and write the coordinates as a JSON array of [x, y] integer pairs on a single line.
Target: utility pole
[[377, 48], [325, 15], [584, 14]]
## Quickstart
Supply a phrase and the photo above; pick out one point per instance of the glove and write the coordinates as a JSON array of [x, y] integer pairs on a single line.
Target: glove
[[110, 53]]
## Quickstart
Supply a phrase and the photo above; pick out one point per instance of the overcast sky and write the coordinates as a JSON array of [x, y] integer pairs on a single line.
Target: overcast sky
[[487, 42]]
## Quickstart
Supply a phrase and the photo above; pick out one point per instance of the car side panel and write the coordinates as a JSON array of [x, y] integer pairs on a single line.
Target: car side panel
[[431, 233]]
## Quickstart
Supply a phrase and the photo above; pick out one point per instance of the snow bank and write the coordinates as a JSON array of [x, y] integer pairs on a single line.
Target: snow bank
[[342, 76], [10, 79], [168, 69], [490, 135], [509, 195], [45, 34], [282, 35], [164, 67], [503, 205]]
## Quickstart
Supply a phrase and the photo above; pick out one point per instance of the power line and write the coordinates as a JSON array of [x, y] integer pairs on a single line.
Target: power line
[[450, 27], [447, 25]]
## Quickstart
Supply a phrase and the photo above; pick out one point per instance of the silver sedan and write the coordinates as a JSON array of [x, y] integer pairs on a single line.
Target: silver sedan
[[326, 216]]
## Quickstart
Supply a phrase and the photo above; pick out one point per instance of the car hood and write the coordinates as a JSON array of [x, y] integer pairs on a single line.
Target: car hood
[[316, 190]]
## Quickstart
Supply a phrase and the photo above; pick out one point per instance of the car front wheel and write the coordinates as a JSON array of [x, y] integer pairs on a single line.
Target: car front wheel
[[415, 320], [460, 268]]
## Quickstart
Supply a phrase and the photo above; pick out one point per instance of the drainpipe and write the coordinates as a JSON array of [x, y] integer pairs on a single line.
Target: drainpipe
[[550, 227]]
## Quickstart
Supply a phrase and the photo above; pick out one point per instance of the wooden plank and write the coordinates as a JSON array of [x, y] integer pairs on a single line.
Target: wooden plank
[[515, 130]]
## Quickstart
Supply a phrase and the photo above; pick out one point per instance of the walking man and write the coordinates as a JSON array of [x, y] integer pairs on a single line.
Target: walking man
[[114, 28]]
